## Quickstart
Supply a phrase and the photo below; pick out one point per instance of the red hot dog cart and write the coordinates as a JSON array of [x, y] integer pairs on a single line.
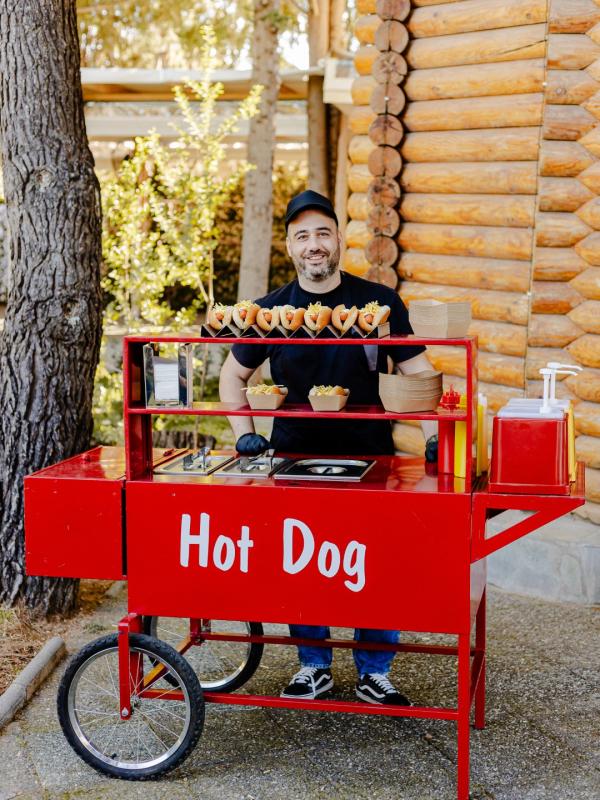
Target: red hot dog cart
[[228, 545]]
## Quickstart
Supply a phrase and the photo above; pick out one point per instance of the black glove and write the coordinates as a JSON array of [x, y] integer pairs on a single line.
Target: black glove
[[252, 444], [431, 449]]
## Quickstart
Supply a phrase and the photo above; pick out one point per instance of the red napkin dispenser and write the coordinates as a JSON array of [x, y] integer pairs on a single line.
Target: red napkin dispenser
[[529, 456]]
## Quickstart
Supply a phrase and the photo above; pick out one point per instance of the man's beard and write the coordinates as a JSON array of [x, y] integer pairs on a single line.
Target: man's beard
[[321, 272]]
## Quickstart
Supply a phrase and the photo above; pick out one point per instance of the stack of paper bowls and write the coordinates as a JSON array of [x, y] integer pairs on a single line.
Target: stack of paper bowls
[[401, 394], [434, 320]]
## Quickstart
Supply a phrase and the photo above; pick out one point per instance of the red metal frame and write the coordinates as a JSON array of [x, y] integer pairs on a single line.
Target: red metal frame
[[433, 526]]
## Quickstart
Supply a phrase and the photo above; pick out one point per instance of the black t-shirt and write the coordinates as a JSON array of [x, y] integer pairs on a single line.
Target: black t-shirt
[[299, 367]]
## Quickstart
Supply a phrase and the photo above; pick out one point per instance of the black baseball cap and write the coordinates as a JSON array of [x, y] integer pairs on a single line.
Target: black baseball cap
[[306, 200]]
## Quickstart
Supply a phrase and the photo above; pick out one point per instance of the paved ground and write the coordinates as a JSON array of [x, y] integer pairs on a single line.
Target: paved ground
[[542, 741]]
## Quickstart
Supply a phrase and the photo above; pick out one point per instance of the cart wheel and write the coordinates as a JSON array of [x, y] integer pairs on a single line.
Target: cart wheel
[[159, 734], [221, 666]]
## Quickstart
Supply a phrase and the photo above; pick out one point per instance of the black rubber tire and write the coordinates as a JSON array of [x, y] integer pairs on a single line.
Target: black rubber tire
[[151, 647], [248, 670]]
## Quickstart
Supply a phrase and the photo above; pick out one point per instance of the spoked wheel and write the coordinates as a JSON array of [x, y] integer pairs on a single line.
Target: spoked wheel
[[160, 732], [221, 666]]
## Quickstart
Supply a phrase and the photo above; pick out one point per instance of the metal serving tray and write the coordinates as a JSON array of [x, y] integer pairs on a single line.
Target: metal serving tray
[[202, 462], [326, 469], [251, 467]]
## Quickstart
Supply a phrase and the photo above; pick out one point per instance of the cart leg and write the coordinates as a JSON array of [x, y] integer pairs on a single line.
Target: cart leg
[[129, 665], [480, 623], [464, 713]]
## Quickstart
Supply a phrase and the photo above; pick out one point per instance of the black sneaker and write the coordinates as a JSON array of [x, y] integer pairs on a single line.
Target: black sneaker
[[308, 683], [374, 688]]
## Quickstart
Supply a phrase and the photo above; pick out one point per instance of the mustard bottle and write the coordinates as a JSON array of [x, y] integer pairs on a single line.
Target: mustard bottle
[[460, 443]]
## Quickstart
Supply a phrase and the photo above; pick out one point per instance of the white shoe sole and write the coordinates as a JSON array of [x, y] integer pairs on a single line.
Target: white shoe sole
[[322, 690], [368, 699]]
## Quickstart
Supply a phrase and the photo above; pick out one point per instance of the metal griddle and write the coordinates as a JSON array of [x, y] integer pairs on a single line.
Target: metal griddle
[[325, 469]]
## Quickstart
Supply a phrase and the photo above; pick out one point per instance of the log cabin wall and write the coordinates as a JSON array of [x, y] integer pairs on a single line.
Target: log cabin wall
[[497, 185]]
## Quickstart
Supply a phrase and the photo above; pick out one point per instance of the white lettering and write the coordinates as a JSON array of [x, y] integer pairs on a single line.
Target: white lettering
[[354, 565], [223, 553], [244, 544], [333, 551], [224, 543], [187, 539], [308, 546]]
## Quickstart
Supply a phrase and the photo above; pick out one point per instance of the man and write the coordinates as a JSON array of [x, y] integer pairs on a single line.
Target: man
[[313, 243]]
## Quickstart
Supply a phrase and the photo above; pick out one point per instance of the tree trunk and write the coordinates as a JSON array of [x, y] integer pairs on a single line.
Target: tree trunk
[[258, 192], [50, 343], [318, 44]]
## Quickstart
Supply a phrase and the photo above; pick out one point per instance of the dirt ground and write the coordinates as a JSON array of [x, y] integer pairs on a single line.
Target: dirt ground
[[22, 633]]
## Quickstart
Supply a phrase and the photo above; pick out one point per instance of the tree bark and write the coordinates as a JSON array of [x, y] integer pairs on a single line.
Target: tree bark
[[318, 44], [50, 343], [258, 188]]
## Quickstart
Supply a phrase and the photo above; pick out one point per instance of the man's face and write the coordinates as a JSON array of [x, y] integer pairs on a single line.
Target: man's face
[[313, 243]]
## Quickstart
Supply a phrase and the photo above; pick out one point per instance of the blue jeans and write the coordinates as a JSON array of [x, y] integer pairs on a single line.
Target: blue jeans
[[367, 661]]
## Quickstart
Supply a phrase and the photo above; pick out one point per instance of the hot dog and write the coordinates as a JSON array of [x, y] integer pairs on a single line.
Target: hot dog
[[372, 315], [344, 318], [317, 316], [268, 318], [244, 313], [291, 318], [219, 316]]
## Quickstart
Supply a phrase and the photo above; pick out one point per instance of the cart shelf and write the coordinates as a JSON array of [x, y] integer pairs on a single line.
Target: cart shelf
[[298, 410]]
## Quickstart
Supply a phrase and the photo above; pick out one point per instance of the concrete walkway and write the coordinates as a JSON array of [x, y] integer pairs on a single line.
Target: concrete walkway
[[542, 741]]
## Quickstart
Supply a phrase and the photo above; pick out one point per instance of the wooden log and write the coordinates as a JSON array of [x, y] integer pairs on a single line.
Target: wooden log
[[358, 206], [594, 34], [466, 240], [387, 98], [355, 261], [590, 213], [366, 6], [590, 177], [587, 418], [585, 385], [362, 89], [594, 70], [518, 110], [592, 485], [385, 161], [587, 449], [382, 251], [559, 229], [556, 264], [572, 16], [592, 104], [569, 86], [364, 58], [587, 316], [386, 130], [526, 41], [552, 330], [566, 123], [383, 191], [422, 3], [502, 177], [589, 511], [387, 276], [562, 194], [390, 67], [536, 389], [393, 9], [360, 119], [479, 273], [509, 144], [408, 439], [391, 35], [586, 349], [591, 141], [476, 15], [571, 51], [554, 297], [500, 337], [359, 149], [538, 357], [359, 178], [563, 159], [495, 306], [365, 27], [493, 368], [383, 221], [357, 234], [469, 209], [514, 77], [589, 250]]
